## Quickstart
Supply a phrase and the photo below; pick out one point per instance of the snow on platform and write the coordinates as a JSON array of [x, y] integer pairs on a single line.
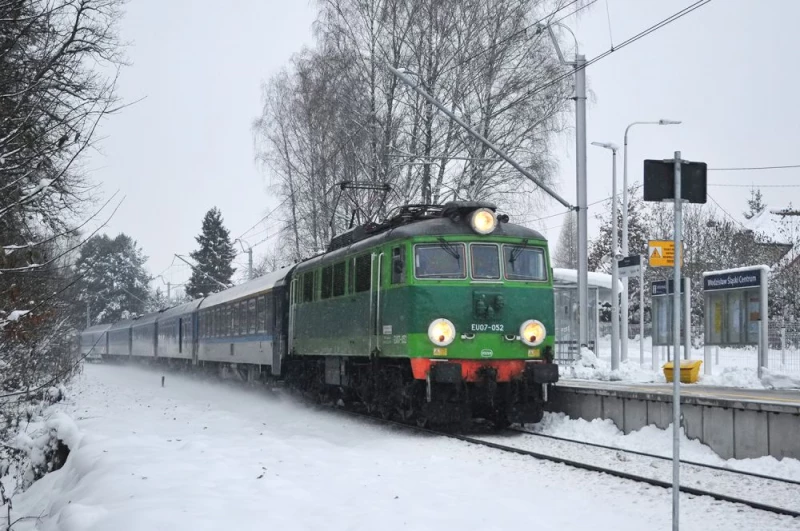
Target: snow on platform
[[202, 456]]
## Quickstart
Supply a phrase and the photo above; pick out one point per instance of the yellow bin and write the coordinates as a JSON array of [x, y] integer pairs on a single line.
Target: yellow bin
[[690, 370]]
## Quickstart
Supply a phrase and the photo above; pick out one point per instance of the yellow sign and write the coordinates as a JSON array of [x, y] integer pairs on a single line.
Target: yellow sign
[[662, 253]]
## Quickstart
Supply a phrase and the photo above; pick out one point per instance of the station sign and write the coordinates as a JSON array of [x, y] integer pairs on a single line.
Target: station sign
[[662, 253], [736, 280], [665, 287], [630, 266]]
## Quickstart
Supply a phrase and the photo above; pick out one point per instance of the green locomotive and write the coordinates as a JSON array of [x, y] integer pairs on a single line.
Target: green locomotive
[[440, 314]]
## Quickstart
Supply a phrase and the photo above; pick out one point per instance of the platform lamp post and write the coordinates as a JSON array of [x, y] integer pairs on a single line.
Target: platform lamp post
[[615, 256], [625, 250]]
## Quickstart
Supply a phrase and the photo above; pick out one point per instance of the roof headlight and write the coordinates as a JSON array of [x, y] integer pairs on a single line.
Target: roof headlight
[[532, 332], [441, 332], [483, 221]]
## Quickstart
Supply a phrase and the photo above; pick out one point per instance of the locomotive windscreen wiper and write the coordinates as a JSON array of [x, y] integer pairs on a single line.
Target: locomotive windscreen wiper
[[451, 249], [516, 251]]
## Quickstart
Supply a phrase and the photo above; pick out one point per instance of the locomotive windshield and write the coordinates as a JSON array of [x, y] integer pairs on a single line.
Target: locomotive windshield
[[524, 263], [485, 261], [440, 261]]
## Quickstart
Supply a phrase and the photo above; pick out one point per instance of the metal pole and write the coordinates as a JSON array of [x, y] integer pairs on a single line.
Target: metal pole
[[250, 263], [583, 234], [641, 314], [687, 319], [676, 340], [763, 343], [783, 345], [625, 250], [169, 294], [614, 267]]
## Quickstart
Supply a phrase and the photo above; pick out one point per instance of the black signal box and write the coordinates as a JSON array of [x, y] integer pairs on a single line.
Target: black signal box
[[659, 181]]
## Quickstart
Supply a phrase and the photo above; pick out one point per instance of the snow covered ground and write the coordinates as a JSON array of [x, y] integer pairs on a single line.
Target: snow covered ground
[[730, 368], [199, 455], [654, 440]]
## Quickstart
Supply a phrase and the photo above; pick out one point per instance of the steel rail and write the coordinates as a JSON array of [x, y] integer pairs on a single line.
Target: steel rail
[[662, 457], [576, 464]]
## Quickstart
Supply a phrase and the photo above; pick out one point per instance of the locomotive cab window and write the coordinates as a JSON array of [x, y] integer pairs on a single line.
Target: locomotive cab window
[[440, 260], [363, 272], [524, 263], [485, 261], [339, 275], [327, 282], [308, 286], [398, 265]]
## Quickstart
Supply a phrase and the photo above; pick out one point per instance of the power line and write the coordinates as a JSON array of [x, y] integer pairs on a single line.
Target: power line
[[725, 211], [753, 168], [265, 217], [524, 30], [757, 185]]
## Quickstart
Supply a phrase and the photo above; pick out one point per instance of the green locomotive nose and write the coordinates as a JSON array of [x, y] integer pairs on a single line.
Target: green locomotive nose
[[449, 297]]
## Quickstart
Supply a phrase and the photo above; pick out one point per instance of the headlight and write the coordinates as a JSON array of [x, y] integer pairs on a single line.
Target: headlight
[[441, 332], [532, 332], [483, 221]]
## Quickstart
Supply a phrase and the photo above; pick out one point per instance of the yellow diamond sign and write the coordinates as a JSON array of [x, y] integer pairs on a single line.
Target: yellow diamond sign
[[662, 253]]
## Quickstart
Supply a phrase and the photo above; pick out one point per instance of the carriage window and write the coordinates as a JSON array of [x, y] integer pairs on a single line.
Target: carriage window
[[308, 287], [242, 317], [261, 315], [485, 262], [398, 265], [251, 316], [524, 263], [233, 319], [327, 282], [363, 272], [444, 260], [338, 279], [269, 314]]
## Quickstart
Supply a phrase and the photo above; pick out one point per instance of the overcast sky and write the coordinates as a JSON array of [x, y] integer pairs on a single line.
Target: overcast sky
[[726, 70]]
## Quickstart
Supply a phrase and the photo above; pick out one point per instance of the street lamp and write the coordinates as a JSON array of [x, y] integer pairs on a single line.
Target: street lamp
[[615, 256], [625, 244]]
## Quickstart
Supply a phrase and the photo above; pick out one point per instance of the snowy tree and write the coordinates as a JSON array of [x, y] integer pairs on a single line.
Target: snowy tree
[[337, 114], [755, 205], [213, 258], [566, 254], [158, 301], [114, 282]]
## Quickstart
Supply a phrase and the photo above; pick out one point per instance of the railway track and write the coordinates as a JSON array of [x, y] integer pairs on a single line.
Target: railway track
[[771, 494]]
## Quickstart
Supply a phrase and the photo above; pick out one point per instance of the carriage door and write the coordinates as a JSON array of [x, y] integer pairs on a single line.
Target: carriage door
[[293, 298], [376, 285]]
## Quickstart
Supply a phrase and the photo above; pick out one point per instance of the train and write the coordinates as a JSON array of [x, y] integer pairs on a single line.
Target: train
[[440, 314]]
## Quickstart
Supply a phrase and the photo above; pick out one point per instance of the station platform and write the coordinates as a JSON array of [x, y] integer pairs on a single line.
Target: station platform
[[734, 422], [784, 400]]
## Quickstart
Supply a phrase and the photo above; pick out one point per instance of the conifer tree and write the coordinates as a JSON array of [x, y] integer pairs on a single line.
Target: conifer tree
[[213, 258], [114, 282]]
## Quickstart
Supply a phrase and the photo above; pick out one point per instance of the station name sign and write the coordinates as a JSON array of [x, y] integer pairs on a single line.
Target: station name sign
[[740, 279], [663, 287]]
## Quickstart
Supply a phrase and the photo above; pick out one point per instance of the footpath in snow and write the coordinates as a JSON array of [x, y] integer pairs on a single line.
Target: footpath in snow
[[196, 455]]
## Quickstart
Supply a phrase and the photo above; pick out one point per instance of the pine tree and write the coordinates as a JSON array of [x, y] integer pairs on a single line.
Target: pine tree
[[755, 204], [114, 282], [213, 259], [566, 254]]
